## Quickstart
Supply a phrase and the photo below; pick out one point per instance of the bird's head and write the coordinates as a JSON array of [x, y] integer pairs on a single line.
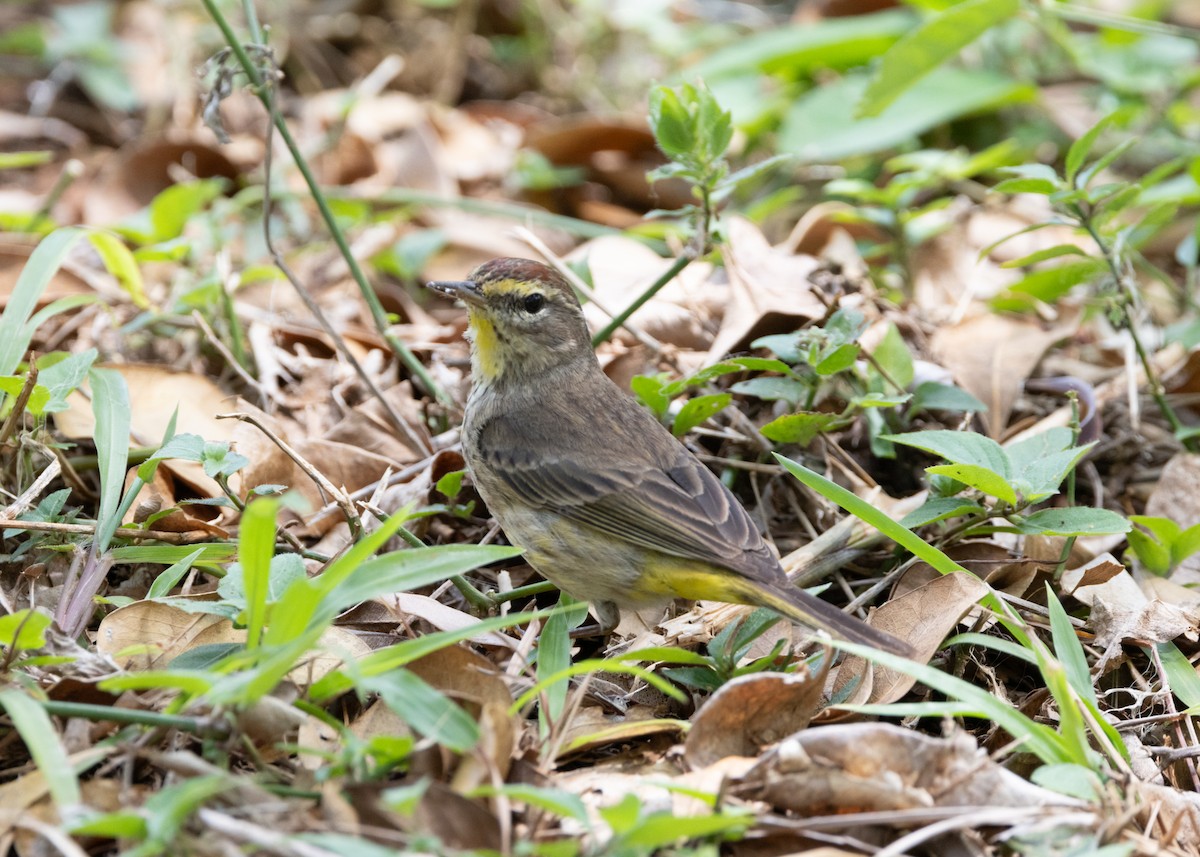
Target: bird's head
[[524, 319]]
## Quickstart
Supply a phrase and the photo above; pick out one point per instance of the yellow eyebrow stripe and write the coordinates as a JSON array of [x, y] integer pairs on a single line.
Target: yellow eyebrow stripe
[[520, 288]]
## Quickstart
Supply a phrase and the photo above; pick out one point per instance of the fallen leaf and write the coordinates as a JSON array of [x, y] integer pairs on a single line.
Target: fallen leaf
[[990, 357], [750, 712]]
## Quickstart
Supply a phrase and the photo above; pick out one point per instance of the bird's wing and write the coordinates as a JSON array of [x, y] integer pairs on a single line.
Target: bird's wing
[[657, 495]]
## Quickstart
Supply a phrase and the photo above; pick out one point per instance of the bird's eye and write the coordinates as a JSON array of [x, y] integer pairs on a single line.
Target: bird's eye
[[533, 303]]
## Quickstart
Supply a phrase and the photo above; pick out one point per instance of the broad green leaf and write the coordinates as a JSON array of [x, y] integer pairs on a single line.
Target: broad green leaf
[[697, 410], [939, 509], [671, 123], [838, 360], [800, 428], [772, 388], [23, 630], [1028, 185], [929, 46], [665, 828], [794, 50], [1153, 554], [1077, 781], [821, 126], [894, 358], [1074, 521], [64, 377], [982, 478], [935, 396], [959, 447]]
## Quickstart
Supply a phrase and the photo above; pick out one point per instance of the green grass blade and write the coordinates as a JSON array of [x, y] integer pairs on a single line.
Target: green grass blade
[[41, 738], [110, 406]]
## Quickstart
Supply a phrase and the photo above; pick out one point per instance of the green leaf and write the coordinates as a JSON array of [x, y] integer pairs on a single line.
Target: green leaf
[[939, 509], [697, 410], [64, 377], [981, 478], [23, 630], [166, 581], [1028, 185], [1081, 148], [894, 358], [772, 388], [1054, 252], [110, 408], [935, 396], [1153, 554], [451, 483], [1069, 650], [44, 262], [41, 739], [120, 263], [792, 51], [1074, 521], [650, 392], [959, 447], [801, 428], [820, 126], [1181, 676], [256, 546], [929, 46], [1077, 781], [671, 123], [838, 360], [426, 709]]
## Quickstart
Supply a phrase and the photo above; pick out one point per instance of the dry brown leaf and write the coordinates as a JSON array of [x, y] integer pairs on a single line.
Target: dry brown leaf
[[990, 357], [132, 177], [1122, 612], [750, 712], [769, 290], [155, 392], [593, 727], [622, 269], [474, 680], [923, 617], [148, 635], [406, 605], [880, 767]]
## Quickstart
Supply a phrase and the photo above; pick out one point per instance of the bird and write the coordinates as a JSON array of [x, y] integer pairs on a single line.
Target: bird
[[607, 504]]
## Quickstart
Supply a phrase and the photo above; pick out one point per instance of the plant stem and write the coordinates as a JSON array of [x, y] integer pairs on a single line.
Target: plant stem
[[262, 91], [621, 317]]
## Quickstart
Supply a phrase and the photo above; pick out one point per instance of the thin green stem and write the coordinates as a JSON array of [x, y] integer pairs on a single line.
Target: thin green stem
[[262, 91], [621, 317], [1127, 298], [474, 597], [522, 592], [112, 714]]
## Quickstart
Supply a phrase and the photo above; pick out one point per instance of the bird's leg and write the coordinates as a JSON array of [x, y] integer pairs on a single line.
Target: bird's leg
[[608, 616]]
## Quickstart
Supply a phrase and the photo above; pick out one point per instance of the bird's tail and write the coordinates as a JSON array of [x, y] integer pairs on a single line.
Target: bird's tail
[[813, 612]]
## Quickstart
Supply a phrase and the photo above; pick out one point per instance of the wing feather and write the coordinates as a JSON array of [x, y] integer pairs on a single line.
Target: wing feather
[[659, 496]]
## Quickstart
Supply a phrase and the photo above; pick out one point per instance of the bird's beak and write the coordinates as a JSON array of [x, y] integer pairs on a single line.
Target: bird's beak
[[464, 290]]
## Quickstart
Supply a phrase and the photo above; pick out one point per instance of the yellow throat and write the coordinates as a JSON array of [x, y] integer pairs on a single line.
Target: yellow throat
[[487, 358]]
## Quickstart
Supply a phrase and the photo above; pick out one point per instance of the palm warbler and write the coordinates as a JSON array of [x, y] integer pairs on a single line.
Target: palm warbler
[[606, 502]]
